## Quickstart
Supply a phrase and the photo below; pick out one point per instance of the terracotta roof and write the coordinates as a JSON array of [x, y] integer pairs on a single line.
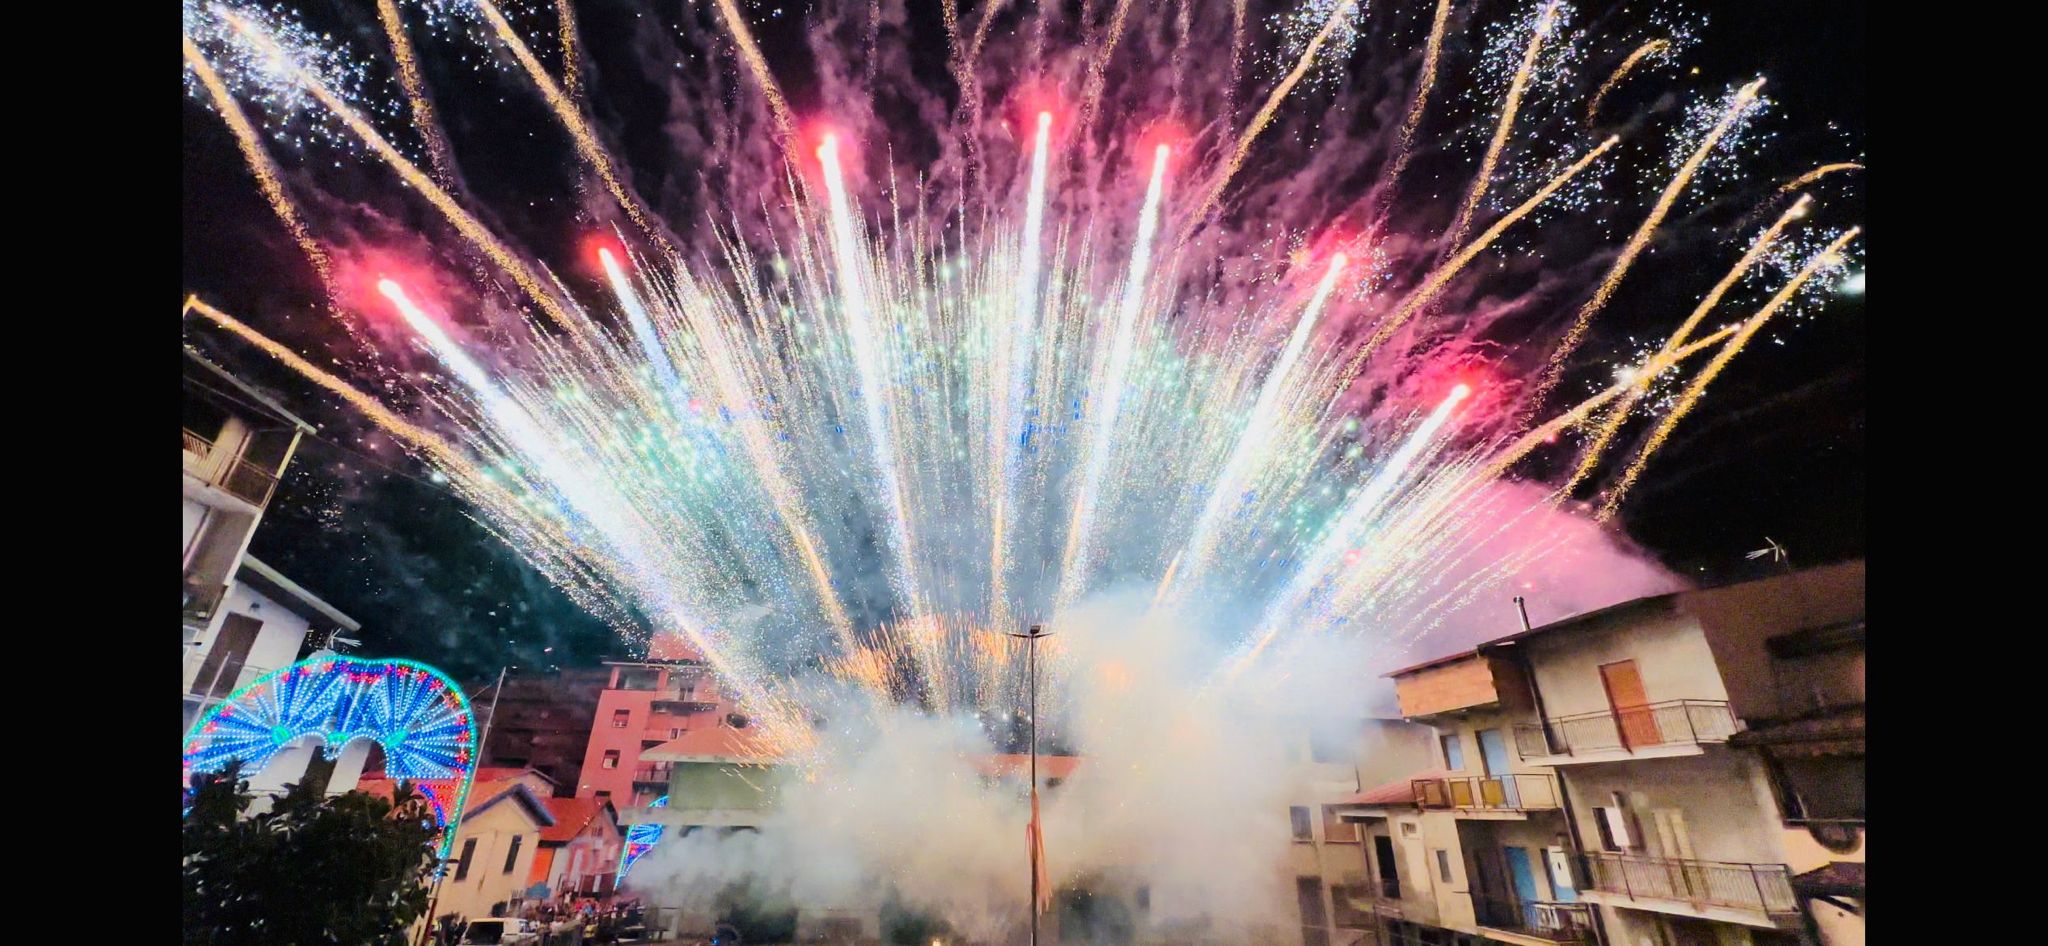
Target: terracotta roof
[[1399, 793], [1006, 764], [714, 744], [573, 815], [489, 773], [483, 797]]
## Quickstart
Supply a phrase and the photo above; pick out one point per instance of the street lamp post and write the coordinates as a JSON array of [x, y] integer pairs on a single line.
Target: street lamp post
[[1037, 839]]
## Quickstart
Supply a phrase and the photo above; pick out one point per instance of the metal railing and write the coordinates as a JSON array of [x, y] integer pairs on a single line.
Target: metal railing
[[1670, 723], [1551, 920], [1765, 888], [198, 446], [200, 602], [1510, 792], [246, 480]]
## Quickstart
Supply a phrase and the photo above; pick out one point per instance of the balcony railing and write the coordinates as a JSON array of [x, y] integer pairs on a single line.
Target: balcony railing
[[1557, 922], [248, 481], [650, 775], [199, 447], [682, 706], [1671, 723], [1510, 792], [1764, 888], [200, 602]]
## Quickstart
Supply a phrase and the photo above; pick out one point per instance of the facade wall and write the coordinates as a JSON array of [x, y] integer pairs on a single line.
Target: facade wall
[[277, 645], [1668, 649], [643, 726], [1737, 619], [1722, 796], [487, 881]]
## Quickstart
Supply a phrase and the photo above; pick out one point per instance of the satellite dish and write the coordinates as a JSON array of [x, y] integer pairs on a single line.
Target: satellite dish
[[736, 721]]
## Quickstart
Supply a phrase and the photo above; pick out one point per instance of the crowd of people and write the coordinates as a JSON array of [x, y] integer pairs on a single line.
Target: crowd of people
[[561, 922]]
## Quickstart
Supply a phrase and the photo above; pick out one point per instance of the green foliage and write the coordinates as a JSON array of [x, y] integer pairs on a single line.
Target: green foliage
[[350, 870]]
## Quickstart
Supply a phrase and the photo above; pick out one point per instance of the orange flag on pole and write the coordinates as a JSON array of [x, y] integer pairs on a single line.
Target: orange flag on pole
[[1034, 833]]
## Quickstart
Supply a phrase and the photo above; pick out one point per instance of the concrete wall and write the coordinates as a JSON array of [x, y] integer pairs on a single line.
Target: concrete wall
[[1736, 621], [277, 643], [1724, 797], [1667, 646]]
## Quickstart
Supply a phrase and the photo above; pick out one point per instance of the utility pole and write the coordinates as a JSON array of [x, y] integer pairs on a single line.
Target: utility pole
[[1037, 838]]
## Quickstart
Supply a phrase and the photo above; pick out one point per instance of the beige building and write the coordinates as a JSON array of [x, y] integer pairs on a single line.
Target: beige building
[[494, 848], [1475, 845], [1328, 865], [1685, 840]]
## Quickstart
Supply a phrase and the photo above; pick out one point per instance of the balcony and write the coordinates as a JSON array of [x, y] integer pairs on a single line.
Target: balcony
[[651, 777], [683, 706], [237, 476], [1605, 736], [1556, 922], [1512, 792], [199, 447], [1753, 888], [200, 602]]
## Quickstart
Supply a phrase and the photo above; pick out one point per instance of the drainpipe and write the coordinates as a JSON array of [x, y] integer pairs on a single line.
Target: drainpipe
[[1520, 656]]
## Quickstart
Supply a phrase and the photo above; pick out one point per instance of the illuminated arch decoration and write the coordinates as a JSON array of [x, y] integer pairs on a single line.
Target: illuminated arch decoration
[[641, 838], [417, 715]]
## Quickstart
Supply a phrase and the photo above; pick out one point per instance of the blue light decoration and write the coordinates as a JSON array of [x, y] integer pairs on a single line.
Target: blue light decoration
[[414, 712], [640, 838]]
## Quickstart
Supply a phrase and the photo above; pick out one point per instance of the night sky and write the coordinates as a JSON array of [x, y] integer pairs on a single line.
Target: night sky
[[1776, 450]]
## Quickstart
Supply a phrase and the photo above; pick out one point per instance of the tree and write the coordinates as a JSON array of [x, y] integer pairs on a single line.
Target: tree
[[349, 870]]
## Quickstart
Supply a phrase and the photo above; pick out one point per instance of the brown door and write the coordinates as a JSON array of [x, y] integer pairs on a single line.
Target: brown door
[[223, 663], [1632, 714]]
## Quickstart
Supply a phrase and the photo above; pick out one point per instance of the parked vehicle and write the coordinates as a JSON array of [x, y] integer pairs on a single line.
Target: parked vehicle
[[498, 931]]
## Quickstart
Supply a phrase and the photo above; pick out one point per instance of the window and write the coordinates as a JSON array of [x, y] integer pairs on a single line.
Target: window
[[1443, 864], [620, 718], [512, 853], [462, 863], [1303, 833], [1336, 830], [604, 796], [1616, 834], [1454, 754], [611, 759]]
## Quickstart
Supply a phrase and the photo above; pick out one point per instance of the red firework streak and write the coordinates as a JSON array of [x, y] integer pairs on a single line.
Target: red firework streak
[[1034, 834]]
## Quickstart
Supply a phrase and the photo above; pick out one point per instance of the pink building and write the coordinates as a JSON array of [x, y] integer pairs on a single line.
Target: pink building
[[646, 703], [579, 853]]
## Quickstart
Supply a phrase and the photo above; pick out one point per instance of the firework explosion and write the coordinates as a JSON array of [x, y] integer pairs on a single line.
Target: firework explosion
[[1163, 340]]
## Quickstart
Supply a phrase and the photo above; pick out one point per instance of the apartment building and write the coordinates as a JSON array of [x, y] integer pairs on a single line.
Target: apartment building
[[1686, 842], [237, 443], [644, 704], [1475, 846], [1329, 865]]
